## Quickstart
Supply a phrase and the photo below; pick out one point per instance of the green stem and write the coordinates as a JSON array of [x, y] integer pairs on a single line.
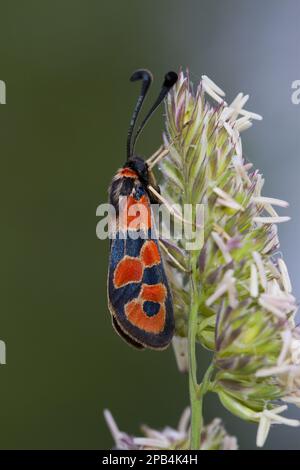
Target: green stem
[[196, 403], [196, 416], [197, 391]]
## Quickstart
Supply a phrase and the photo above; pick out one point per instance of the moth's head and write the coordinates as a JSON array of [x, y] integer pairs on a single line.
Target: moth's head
[[140, 167]]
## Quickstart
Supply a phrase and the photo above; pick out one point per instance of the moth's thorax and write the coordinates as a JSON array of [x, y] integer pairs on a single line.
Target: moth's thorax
[[133, 179]]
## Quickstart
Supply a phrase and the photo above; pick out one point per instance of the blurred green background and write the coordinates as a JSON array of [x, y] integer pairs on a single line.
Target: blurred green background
[[66, 65]]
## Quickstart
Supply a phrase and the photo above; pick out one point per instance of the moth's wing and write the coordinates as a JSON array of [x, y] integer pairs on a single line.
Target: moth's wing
[[139, 295], [127, 338], [117, 296]]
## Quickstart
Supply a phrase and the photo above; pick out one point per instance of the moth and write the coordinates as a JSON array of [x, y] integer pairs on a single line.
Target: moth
[[139, 296]]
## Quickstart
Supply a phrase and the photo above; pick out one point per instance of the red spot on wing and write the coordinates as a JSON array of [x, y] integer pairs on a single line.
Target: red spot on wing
[[137, 317], [150, 255], [154, 293], [128, 270]]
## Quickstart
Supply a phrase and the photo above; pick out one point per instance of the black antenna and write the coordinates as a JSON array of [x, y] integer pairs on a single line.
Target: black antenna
[[169, 81], [146, 76]]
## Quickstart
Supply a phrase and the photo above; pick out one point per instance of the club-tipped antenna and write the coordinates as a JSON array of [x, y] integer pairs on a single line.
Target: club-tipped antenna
[[146, 78], [169, 81]]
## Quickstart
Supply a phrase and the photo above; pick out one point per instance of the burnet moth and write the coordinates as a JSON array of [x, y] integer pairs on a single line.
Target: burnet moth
[[139, 296]]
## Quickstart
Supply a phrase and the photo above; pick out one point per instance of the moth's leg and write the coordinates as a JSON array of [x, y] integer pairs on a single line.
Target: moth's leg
[[168, 206], [172, 258], [153, 157], [160, 153], [163, 153]]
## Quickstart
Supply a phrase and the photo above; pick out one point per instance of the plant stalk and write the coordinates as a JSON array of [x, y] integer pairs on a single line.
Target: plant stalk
[[197, 391], [195, 401]]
